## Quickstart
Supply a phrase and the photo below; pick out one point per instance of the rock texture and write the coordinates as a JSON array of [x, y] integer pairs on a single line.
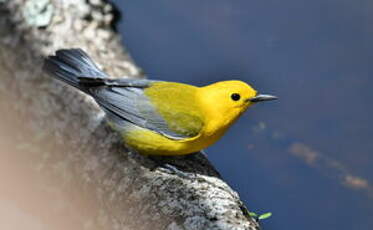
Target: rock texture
[[60, 133]]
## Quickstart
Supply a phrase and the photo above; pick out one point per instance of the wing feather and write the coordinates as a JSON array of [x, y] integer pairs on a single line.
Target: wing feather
[[127, 100]]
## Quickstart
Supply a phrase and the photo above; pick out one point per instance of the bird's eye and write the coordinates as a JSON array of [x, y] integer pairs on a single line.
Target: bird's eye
[[235, 96]]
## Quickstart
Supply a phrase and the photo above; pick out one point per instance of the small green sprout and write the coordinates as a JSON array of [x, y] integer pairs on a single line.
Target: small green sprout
[[261, 216]]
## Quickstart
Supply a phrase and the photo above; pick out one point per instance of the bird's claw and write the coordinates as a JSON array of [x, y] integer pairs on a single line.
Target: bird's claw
[[174, 170]]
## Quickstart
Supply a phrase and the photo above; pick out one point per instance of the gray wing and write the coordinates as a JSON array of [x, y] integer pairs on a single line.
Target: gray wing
[[124, 101]]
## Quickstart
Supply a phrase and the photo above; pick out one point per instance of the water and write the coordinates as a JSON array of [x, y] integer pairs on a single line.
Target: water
[[307, 157]]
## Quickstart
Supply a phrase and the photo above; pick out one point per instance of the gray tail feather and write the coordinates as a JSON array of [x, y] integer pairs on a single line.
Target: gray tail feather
[[69, 65]]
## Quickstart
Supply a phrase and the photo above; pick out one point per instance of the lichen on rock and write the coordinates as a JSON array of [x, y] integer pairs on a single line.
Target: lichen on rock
[[38, 13]]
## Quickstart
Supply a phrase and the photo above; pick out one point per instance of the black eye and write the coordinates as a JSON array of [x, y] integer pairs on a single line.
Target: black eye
[[235, 96]]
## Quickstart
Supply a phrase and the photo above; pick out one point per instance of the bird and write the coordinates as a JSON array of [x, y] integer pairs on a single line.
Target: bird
[[154, 117]]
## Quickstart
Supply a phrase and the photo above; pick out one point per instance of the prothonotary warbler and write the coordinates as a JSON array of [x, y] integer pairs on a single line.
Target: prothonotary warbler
[[157, 117]]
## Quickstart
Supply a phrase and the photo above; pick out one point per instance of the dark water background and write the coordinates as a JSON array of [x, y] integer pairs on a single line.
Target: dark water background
[[307, 157]]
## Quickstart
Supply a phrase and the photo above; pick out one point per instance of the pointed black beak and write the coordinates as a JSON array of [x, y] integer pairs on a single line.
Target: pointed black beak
[[262, 97]]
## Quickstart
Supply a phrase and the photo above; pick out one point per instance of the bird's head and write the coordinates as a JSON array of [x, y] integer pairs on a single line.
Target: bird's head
[[230, 98]]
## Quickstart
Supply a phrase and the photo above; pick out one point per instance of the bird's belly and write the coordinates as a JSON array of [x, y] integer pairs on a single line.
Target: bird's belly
[[150, 143]]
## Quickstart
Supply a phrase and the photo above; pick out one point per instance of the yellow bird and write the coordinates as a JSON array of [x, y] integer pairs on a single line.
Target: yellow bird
[[157, 117]]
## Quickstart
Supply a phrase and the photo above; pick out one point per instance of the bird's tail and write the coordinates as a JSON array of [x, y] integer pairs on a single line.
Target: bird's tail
[[70, 65]]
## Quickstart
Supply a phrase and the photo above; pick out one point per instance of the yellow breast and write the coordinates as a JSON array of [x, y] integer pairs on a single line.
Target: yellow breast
[[150, 143], [211, 105]]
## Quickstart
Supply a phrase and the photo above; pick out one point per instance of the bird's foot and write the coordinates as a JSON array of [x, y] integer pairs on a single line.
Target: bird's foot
[[203, 152], [174, 170]]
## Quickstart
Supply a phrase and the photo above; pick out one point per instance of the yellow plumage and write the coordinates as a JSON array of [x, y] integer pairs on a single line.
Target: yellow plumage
[[207, 112], [155, 117]]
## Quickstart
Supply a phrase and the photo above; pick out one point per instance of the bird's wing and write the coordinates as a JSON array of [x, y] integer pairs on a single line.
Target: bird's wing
[[126, 99]]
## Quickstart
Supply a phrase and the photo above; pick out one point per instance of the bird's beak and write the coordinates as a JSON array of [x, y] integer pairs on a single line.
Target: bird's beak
[[262, 97]]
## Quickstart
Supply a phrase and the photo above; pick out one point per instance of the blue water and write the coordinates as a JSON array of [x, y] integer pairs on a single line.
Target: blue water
[[316, 56]]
